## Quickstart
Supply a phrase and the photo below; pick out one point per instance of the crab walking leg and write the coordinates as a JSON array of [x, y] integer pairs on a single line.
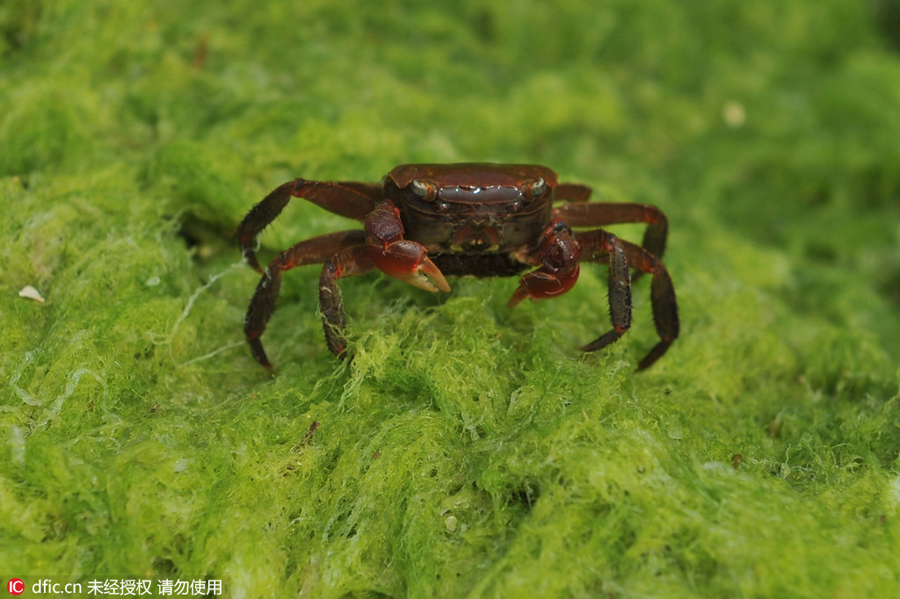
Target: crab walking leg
[[595, 246], [311, 251], [350, 262], [397, 257], [350, 199], [605, 213], [572, 192], [662, 292]]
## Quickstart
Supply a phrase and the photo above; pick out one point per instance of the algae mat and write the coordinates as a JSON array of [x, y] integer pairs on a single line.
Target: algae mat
[[467, 450]]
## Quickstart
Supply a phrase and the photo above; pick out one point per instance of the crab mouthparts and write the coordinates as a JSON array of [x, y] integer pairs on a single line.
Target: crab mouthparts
[[476, 237]]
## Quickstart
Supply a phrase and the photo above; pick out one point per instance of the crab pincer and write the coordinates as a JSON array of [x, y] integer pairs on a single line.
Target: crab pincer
[[559, 270], [397, 257]]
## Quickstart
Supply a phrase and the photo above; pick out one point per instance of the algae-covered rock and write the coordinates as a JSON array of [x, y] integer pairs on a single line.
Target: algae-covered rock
[[466, 450]]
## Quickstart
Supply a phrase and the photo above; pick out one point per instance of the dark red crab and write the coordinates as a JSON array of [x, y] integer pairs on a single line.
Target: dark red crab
[[424, 221]]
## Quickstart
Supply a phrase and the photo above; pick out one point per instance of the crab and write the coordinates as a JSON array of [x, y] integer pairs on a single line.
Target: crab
[[427, 221]]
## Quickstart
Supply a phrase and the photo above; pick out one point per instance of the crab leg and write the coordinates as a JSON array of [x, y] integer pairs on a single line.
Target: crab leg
[[572, 192], [562, 253], [595, 246], [608, 213], [397, 257], [350, 199], [350, 262], [311, 251]]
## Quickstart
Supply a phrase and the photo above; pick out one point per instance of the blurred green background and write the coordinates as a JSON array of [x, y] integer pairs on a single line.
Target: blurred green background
[[468, 450]]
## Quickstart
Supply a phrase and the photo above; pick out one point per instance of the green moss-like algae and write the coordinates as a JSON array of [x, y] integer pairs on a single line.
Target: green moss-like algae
[[467, 450]]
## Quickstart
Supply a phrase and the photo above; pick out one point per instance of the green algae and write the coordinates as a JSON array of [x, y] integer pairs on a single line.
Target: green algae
[[467, 450]]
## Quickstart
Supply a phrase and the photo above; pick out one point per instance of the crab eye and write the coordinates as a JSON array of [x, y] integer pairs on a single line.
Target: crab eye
[[423, 189], [536, 188]]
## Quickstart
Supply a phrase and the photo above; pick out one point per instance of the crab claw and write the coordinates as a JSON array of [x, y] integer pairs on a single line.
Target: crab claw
[[559, 269], [407, 260], [429, 277], [544, 283]]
